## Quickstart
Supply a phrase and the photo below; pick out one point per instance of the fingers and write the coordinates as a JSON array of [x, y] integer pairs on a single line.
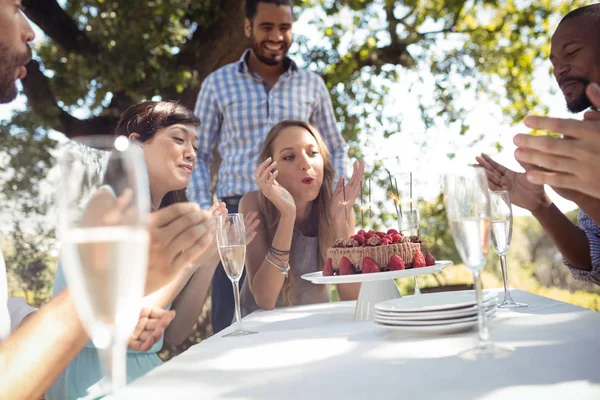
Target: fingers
[[263, 169], [487, 163], [555, 179], [494, 178], [250, 237], [251, 221], [151, 324], [271, 179], [195, 250], [546, 144], [548, 161], [124, 200], [185, 230], [353, 186], [591, 116], [199, 235], [219, 209], [167, 215], [593, 93], [338, 187], [568, 127]]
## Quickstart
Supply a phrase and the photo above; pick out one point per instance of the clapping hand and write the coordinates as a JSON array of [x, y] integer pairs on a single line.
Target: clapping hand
[[179, 235], [152, 322], [522, 192], [352, 191], [571, 163], [251, 222]]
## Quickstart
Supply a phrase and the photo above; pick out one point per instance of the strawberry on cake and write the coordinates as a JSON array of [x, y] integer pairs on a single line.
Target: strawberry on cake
[[368, 252]]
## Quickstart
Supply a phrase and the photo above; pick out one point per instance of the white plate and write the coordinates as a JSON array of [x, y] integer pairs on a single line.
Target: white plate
[[318, 278], [434, 322], [431, 330], [454, 313], [434, 301]]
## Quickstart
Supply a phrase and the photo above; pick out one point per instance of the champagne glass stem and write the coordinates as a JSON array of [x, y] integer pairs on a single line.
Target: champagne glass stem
[[113, 361], [505, 277], [236, 298], [484, 335], [417, 290]]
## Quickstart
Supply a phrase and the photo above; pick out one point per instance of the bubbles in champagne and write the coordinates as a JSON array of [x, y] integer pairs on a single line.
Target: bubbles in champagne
[[233, 258], [471, 237]]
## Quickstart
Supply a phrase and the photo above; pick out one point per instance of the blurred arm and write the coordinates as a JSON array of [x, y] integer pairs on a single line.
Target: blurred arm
[[190, 301], [33, 357]]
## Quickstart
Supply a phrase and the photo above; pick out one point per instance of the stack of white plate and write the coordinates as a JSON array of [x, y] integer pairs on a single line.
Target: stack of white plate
[[445, 312]]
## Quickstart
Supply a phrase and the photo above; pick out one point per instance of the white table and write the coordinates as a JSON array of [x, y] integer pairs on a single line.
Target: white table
[[319, 352]]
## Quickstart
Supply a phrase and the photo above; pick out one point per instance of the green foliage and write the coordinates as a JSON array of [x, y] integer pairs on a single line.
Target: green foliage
[[435, 231], [487, 47], [28, 265], [138, 42]]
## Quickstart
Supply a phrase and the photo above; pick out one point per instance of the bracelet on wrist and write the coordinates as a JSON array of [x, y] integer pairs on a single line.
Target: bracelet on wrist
[[284, 269]]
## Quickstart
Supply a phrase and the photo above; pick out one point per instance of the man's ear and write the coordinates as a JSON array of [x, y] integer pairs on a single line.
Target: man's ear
[[248, 27], [134, 136]]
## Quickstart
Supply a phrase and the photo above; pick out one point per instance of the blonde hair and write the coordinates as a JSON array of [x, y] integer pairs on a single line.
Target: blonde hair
[[269, 213]]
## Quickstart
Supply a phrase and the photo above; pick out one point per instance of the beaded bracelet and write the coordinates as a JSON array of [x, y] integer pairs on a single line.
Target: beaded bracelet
[[284, 269], [275, 251]]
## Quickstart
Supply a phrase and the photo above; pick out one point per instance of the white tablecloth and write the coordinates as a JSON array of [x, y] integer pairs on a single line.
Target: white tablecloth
[[319, 352]]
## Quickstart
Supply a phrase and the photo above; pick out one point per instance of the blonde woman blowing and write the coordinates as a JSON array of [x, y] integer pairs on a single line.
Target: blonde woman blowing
[[301, 216]]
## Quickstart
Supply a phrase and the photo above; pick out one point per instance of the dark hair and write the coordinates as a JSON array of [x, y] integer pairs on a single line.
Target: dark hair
[[251, 6], [146, 119], [592, 11]]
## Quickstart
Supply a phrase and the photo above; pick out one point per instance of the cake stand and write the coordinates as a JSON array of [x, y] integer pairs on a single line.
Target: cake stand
[[375, 287]]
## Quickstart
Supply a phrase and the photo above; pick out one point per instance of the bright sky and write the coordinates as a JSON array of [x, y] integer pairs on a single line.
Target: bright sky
[[425, 153]]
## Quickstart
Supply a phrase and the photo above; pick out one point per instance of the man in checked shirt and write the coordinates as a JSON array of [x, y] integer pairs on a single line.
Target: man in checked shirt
[[239, 103], [570, 167]]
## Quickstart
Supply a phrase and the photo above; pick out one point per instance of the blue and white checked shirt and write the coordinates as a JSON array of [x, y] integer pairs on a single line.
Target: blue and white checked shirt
[[237, 110], [592, 230]]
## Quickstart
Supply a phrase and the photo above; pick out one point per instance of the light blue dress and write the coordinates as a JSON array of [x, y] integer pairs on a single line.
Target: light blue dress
[[84, 371]]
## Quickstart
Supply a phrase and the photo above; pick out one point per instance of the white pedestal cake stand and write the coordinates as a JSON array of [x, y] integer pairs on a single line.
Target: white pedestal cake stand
[[375, 287]]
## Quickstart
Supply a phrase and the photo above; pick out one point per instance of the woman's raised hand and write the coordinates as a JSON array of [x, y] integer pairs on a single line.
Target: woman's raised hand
[[352, 192], [266, 178], [180, 234]]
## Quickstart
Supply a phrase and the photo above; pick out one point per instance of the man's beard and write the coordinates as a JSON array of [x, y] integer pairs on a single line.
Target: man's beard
[[580, 103], [263, 58], [9, 62]]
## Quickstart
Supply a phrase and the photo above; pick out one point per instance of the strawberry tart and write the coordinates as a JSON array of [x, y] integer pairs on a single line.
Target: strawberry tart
[[368, 252]]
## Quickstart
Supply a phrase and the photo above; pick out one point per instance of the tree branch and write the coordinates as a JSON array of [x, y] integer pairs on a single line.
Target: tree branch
[[43, 102], [211, 48], [393, 54], [59, 26], [392, 23]]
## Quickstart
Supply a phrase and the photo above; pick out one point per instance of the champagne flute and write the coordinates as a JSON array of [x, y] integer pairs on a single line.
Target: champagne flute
[[231, 241], [468, 209], [501, 235], [103, 204]]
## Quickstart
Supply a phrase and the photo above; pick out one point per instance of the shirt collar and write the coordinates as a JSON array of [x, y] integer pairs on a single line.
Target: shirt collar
[[243, 63]]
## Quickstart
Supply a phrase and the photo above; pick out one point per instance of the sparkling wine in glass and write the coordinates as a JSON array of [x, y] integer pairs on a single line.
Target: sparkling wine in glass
[[103, 203], [501, 215], [231, 241], [468, 209]]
